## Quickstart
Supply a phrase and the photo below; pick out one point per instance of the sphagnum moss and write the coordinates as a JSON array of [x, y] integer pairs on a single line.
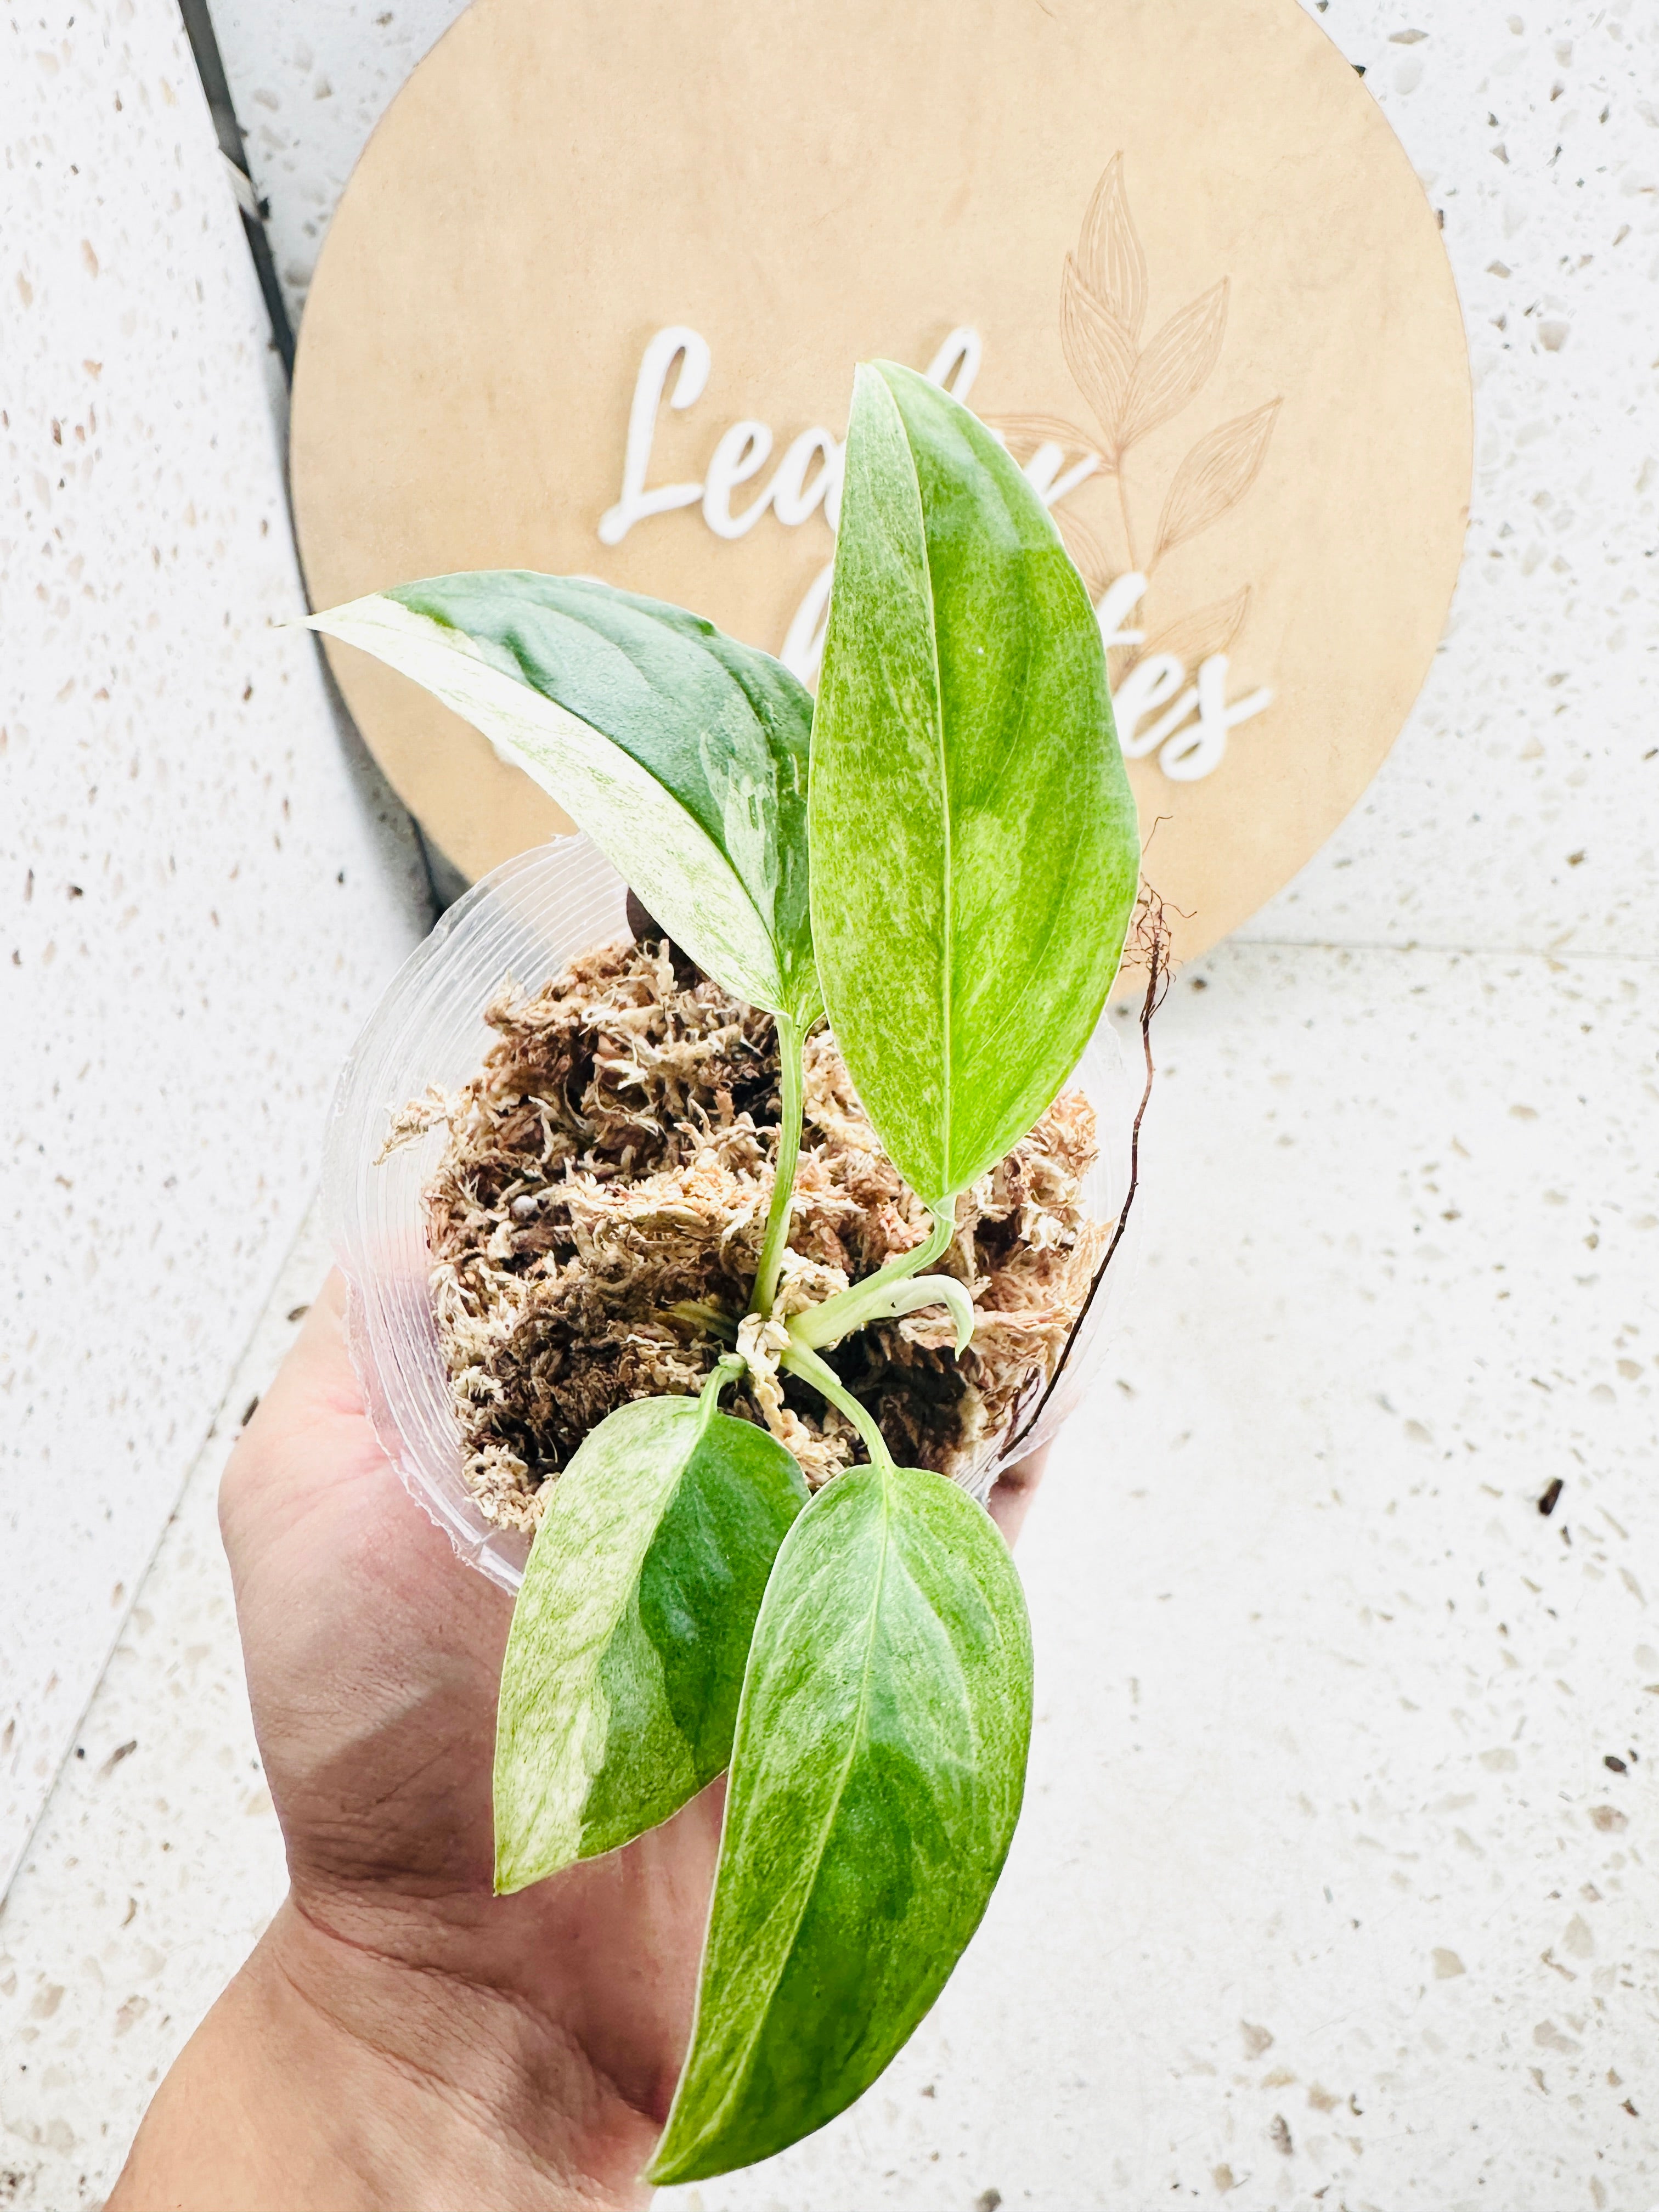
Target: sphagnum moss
[[598, 1210]]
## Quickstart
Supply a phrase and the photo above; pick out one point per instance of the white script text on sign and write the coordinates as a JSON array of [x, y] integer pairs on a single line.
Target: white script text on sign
[[1190, 734]]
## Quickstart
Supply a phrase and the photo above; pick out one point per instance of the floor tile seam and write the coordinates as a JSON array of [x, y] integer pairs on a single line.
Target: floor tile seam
[[1557, 955], [209, 1437]]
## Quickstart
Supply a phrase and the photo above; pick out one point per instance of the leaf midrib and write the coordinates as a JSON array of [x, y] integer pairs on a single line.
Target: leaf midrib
[[948, 919], [456, 638], [855, 1736], [516, 651], [592, 1656]]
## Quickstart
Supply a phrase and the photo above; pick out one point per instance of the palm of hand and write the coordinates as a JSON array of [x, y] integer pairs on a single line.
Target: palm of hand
[[373, 1661]]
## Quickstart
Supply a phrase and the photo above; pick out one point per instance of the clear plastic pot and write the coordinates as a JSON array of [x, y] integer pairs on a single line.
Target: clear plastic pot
[[525, 920]]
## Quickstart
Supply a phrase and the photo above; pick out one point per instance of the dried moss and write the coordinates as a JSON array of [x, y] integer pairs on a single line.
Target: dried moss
[[608, 1171]]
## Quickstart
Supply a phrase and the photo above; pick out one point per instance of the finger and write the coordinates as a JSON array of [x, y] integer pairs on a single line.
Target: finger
[[310, 1420], [319, 1362], [1011, 1494]]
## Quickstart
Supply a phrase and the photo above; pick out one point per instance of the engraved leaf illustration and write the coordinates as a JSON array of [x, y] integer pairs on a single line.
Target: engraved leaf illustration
[[1085, 548], [1217, 473], [1024, 432], [1176, 364], [1109, 254], [1194, 637], [1099, 352]]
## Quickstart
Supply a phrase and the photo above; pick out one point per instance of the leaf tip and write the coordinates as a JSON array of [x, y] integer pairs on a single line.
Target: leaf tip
[[683, 2154], [671, 2161], [515, 1869], [326, 622]]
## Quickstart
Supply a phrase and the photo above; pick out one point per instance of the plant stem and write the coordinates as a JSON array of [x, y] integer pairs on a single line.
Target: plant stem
[[790, 1041], [849, 1309], [825, 1380], [724, 1371]]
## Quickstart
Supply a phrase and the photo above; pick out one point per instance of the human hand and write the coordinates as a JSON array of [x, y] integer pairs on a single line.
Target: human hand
[[524, 2048]]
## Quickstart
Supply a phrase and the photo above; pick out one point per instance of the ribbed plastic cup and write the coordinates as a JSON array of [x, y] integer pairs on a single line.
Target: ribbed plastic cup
[[526, 919]]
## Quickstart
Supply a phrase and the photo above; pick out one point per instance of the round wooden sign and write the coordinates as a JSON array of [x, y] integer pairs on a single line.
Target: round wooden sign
[[592, 300]]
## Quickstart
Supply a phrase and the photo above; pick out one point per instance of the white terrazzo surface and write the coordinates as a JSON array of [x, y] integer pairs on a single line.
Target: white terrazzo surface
[[158, 1860], [1326, 1896], [201, 891]]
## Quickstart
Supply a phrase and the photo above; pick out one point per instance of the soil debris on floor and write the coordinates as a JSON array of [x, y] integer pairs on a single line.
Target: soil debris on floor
[[596, 1218]]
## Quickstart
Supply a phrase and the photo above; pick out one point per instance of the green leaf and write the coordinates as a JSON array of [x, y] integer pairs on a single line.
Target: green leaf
[[875, 1783], [682, 753], [625, 1661], [974, 846]]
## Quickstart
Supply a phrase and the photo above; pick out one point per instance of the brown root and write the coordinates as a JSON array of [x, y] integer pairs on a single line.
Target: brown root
[[1148, 947]]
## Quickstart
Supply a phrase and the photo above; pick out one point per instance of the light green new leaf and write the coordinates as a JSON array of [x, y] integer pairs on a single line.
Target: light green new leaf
[[974, 846], [681, 752], [823, 1325], [875, 1783], [625, 1661]]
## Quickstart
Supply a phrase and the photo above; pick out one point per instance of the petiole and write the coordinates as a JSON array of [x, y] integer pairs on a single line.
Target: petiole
[[825, 1380], [790, 1041], [860, 1302]]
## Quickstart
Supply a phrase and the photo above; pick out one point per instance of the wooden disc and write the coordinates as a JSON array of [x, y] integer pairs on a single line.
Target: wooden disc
[[1187, 245]]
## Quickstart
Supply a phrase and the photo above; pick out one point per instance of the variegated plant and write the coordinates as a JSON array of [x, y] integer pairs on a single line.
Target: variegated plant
[[952, 886]]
